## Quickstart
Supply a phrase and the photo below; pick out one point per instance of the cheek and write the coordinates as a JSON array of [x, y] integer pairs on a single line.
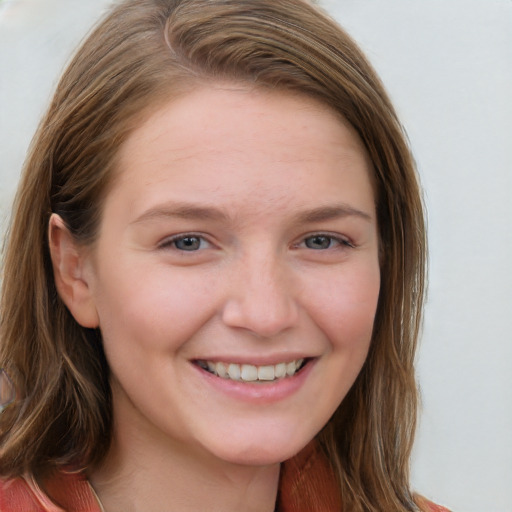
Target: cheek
[[156, 308], [344, 306]]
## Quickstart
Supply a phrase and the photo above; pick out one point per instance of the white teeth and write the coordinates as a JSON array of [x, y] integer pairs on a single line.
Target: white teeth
[[220, 370], [280, 370], [266, 373], [252, 373], [290, 368], [249, 372], [234, 371]]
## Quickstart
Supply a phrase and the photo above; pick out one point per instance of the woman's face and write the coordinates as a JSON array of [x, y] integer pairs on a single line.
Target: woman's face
[[236, 276]]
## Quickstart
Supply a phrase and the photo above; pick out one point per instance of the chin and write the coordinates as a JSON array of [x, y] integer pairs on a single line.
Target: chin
[[258, 458], [263, 453]]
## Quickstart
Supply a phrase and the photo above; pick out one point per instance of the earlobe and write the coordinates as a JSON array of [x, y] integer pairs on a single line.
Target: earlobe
[[68, 261]]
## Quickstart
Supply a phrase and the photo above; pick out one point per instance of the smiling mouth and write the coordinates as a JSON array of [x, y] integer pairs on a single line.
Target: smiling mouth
[[253, 373]]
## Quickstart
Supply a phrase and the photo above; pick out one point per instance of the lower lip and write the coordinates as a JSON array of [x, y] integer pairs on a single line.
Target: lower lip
[[260, 392]]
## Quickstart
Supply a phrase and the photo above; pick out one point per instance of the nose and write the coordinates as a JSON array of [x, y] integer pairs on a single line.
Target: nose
[[261, 297]]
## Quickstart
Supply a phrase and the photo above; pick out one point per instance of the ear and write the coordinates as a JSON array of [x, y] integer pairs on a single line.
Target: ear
[[69, 263]]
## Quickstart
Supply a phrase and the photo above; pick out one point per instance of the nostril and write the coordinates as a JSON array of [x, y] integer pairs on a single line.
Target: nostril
[[260, 296], [264, 318]]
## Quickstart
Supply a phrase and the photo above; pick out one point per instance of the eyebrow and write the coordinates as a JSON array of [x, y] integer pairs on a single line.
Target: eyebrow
[[192, 212], [182, 211], [324, 213]]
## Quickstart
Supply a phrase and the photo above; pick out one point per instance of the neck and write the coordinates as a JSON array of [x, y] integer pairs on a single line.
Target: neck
[[180, 489], [147, 472]]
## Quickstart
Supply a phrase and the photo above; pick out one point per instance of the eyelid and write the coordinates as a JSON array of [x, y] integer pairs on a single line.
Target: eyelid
[[168, 241], [343, 241]]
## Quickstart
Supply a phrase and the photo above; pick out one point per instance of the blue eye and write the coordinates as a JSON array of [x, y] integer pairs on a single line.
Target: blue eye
[[322, 242], [318, 242], [186, 243]]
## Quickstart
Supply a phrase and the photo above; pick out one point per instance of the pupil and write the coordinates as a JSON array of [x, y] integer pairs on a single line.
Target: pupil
[[318, 242], [190, 243]]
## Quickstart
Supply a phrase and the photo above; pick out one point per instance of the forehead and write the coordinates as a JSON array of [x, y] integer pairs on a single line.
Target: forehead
[[231, 138]]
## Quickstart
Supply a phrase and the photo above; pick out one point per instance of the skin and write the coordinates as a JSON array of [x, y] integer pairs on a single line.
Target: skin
[[273, 194]]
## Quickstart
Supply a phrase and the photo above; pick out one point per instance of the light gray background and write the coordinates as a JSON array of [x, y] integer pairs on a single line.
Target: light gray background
[[448, 67]]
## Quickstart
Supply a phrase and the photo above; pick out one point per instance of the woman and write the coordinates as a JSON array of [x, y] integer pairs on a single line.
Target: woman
[[224, 312]]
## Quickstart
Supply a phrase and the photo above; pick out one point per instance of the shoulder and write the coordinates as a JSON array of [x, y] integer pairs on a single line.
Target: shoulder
[[16, 496], [429, 506], [70, 492], [432, 507], [308, 483]]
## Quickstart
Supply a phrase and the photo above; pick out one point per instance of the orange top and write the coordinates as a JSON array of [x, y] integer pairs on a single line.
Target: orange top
[[307, 485]]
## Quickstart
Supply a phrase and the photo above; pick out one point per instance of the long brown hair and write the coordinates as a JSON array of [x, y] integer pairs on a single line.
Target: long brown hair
[[141, 54]]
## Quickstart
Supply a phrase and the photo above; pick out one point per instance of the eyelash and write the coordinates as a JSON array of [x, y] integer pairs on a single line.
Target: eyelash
[[342, 242], [172, 241]]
